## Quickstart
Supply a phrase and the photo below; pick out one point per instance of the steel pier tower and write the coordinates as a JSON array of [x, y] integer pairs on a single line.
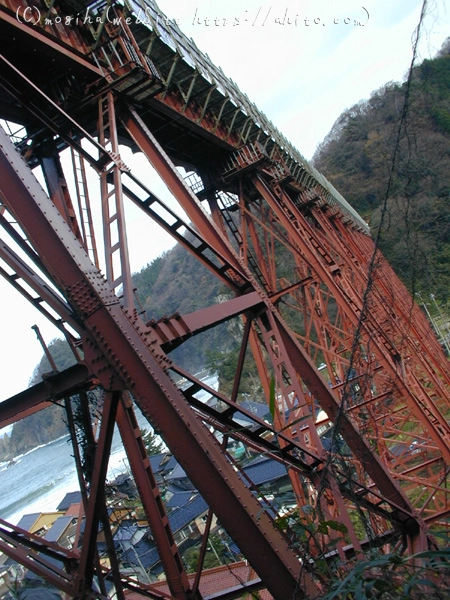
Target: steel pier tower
[[356, 385]]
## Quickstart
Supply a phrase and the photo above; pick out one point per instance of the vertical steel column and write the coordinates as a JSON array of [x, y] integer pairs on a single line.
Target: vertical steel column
[[117, 350], [355, 440], [84, 205], [297, 419], [96, 500], [151, 499], [114, 229], [57, 187]]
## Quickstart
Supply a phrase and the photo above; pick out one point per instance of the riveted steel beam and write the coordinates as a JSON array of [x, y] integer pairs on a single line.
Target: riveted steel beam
[[151, 500], [55, 387], [114, 340]]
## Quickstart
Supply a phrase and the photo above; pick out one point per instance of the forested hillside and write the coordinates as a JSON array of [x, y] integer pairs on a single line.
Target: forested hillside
[[46, 425], [177, 282], [401, 172]]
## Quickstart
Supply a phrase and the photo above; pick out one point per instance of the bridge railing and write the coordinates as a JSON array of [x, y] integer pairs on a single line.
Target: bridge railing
[[147, 13]]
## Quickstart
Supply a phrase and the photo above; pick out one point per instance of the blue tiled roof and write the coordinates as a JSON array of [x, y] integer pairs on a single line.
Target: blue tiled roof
[[258, 409], [58, 528], [265, 470], [234, 549], [27, 521], [179, 499], [170, 464], [155, 461], [36, 579], [182, 516], [125, 533], [162, 462], [143, 553], [178, 478], [120, 479], [177, 473], [70, 498]]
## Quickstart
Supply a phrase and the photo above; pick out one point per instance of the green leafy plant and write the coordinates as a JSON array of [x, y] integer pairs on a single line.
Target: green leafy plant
[[394, 577]]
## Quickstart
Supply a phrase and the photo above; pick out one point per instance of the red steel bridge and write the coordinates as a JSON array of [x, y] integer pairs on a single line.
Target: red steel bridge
[[336, 341]]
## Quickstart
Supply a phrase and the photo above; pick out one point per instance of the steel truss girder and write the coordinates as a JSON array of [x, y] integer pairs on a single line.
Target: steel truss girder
[[111, 377], [211, 240], [148, 144], [117, 352], [419, 396], [419, 403], [173, 331]]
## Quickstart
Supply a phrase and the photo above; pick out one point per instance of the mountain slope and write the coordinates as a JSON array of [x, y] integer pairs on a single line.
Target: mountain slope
[[413, 192]]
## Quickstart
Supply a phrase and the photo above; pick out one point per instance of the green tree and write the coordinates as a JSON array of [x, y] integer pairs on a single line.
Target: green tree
[[357, 158], [216, 555], [45, 425], [62, 355], [153, 443], [393, 577]]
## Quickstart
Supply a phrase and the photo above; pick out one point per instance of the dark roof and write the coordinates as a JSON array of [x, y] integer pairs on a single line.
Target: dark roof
[[256, 408], [265, 470], [169, 465], [58, 528], [155, 461], [162, 462], [37, 589], [143, 553], [125, 533], [27, 521], [182, 516], [70, 498], [178, 479], [37, 579], [179, 499], [120, 479], [36, 594], [234, 548], [177, 473]]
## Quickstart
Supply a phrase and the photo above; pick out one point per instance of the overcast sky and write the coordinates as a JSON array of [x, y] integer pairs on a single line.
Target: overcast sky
[[302, 63]]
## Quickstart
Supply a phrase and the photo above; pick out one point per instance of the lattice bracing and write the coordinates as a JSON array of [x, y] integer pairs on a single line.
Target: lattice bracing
[[354, 384]]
